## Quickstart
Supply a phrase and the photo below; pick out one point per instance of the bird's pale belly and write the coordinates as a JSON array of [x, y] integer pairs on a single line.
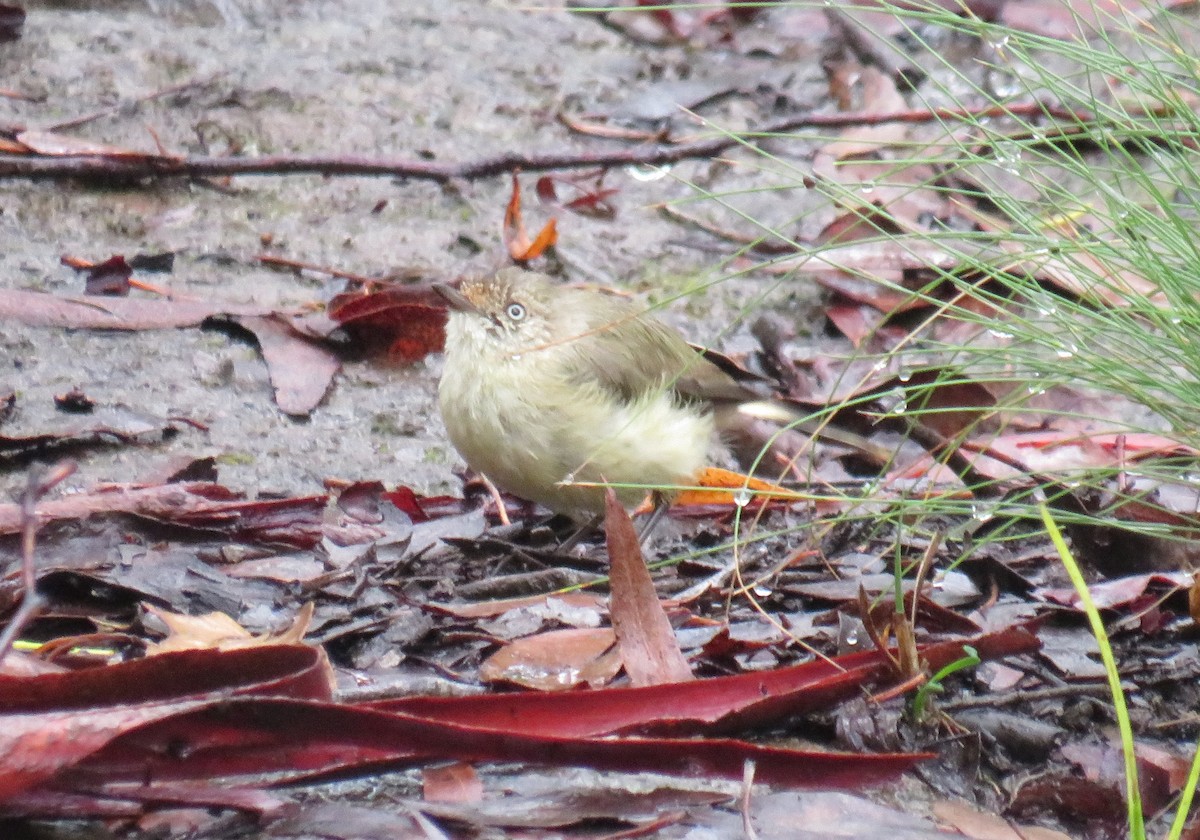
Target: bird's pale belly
[[592, 438]]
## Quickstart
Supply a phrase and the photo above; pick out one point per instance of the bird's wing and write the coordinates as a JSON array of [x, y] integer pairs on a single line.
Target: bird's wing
[[631, 354]]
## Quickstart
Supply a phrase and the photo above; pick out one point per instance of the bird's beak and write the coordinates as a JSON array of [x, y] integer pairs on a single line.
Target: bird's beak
[[455, 299]]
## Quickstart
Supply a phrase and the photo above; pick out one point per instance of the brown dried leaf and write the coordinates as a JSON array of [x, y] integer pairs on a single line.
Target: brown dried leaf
[[64, 145], [301, 369], [217, 630], [555, 661], [644, 635]]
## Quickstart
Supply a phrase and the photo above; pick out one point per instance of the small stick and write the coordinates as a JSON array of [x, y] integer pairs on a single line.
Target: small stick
[[299, 265], [8, 93], [135, 167], [870, 47], [748, 770], [39, 483], [83, 119]]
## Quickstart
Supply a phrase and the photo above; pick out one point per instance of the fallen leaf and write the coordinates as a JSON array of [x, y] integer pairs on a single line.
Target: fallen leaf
[[724, 487], [590, 200], [301, 369], [488, 609], [217, 630], [516, 238], [698, 706], [298, 521], [50, 722], [38, 309], [457, 782], [403, 323], [645, 639], [110, 277], [556, 660]]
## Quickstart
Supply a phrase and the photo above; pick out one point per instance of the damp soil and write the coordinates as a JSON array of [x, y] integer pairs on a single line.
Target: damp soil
[[453, 81]]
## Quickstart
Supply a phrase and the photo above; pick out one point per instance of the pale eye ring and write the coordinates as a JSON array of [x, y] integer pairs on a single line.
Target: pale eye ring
[[515, 311]]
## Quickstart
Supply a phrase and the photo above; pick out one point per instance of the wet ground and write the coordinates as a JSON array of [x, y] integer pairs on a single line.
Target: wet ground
[[454, 81]]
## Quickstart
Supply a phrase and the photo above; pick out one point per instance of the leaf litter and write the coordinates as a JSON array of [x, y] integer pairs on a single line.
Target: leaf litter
[[372, 574]]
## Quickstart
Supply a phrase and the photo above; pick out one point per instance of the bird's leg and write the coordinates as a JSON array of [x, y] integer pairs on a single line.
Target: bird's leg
[[581, 532], [661, 505]]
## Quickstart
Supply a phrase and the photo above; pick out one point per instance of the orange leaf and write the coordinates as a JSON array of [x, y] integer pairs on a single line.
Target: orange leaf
[[547, 237], [725, 483], [516, 238]]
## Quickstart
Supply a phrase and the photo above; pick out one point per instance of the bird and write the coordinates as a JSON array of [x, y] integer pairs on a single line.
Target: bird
[[555, 392]]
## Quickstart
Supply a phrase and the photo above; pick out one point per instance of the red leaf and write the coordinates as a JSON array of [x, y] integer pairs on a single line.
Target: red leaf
[[292, 740], [699, 705], [405, 323], [591, 200], [545, 190], [52, 721], [110, 277], [665, 17], [594, 203]]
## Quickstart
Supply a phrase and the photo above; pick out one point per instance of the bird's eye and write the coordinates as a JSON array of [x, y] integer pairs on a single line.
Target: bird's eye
[[515, 311]]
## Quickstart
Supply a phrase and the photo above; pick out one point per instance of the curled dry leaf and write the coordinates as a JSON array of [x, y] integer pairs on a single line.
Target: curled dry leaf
[[516, 238], [217, 630], [401, 323]]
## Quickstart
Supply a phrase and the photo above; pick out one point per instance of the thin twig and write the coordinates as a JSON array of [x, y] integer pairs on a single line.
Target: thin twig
[[299, 265], [38, 483], [8, 93], [1031, 696], [747, 789], [871, 47], [756, 243], [136, 167], [83, 119]]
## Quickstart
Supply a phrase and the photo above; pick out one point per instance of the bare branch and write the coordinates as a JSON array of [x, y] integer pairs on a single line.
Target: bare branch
[[138, 167]]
